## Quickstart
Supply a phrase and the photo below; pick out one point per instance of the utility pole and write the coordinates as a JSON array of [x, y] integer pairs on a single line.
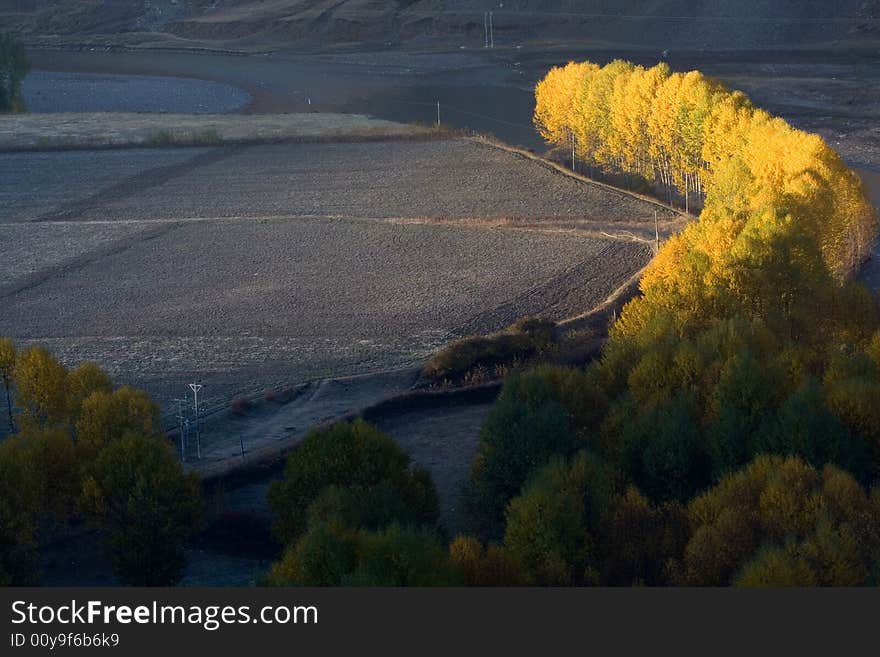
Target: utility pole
[[485, 29], [186, 424], [438, 113], [195, 387], [180, 428], [573, 161], [491, 32]]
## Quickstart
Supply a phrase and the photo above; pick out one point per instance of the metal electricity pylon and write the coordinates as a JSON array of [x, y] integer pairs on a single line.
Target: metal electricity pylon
[[195, 387]]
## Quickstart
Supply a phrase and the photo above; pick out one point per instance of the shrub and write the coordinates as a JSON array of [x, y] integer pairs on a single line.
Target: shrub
[[13, 69], [240, 406], [208, 137], [161, 138], [520, 342]]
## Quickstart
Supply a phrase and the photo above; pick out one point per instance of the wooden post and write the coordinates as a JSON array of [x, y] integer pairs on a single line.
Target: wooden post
[[656, 232]]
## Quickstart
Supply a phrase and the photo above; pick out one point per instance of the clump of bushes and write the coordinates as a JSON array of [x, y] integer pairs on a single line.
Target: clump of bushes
[[240, 406], [162, 138], [208, 137], [472, 359], [279, 395]]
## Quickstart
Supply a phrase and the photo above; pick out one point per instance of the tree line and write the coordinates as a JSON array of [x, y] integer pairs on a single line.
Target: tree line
[[690, 134], [728, 432], [83, 454]]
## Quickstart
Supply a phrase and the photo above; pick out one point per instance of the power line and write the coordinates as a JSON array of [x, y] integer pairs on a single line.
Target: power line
[[466, 112], [643, 17]]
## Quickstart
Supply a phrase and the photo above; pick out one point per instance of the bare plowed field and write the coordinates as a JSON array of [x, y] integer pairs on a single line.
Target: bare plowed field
[[445, 179], [249, 267]]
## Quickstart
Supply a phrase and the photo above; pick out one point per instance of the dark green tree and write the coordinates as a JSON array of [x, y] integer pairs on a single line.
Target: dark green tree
[[19, 514], [331, 554], [7, 371], [13, 69], [354, 473], [641, 541], [665, 452], [147, 508], [551, 532], [525, 429], [804, 427]]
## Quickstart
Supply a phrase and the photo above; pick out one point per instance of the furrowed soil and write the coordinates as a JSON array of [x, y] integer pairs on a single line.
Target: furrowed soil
[[249, 267]]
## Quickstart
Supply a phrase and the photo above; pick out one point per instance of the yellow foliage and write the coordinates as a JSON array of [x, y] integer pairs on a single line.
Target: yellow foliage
[[780, 522], [40, 388], [688, 132], [556, 96], [107, 416]]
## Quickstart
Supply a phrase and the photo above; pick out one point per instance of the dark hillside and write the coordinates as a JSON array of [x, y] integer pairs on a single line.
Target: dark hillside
[[667, 24]]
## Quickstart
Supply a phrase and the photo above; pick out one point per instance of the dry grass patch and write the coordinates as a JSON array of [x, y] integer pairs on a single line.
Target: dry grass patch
[[116, 130]]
